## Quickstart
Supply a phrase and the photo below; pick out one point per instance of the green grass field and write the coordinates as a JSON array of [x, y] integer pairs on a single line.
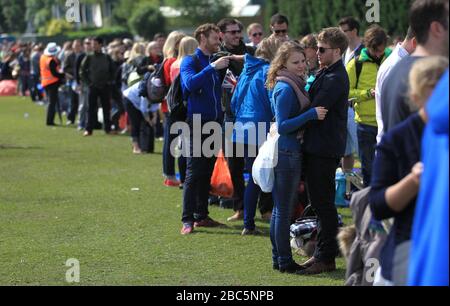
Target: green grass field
[[64, 196]]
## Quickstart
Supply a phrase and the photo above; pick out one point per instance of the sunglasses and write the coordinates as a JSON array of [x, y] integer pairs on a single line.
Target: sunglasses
[[234, 32], [280, 31], [257, 34], [323, 50]]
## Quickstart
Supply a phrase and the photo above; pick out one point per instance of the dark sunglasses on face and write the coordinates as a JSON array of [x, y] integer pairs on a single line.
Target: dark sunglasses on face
[[257, 34], [234, 32], [323, 50], [280, 31]]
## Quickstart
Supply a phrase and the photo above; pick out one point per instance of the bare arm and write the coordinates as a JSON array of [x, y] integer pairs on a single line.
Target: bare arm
[[398, 196]]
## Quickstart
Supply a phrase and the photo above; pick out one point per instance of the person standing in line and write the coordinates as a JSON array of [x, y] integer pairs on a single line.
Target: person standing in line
[[324, 146], [200, 82], [97, 70], [362, 72], [51, 79], [255, 34], [351, 27], [292, 110], [402, 50]]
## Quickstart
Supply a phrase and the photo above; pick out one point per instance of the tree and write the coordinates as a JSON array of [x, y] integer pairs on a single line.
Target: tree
[[58, 26], [12, 15], [202, 11], [308, 16], [147, 20]]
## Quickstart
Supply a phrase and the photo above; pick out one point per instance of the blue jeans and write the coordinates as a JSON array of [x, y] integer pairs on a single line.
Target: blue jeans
[[287, 180], [252, 192], [367, 141], [83, 107]]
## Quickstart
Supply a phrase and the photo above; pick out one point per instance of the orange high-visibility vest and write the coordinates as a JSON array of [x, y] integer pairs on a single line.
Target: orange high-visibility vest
[[47, 78]]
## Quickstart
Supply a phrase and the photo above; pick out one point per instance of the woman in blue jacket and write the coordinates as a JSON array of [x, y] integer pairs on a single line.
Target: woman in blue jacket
[[292, 110], [251, 105]]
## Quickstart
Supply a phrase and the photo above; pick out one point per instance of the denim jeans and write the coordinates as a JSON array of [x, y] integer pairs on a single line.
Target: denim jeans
[[252, 191], [287, 180], [198, 181], [367, 141], [83, 107]]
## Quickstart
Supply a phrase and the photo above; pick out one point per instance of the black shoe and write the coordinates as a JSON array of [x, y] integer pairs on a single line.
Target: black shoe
[[276, 267], [292, 268]]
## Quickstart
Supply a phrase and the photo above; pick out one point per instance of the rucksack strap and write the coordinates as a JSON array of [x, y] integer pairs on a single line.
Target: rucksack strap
[[359, 66]]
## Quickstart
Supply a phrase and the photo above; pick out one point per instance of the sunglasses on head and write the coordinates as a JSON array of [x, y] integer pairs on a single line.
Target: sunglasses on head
[[234, 32], [257, 34], [280, 31], [323, 50]]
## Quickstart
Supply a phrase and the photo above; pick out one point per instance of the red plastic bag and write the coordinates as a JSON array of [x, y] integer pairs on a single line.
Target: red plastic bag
[[221, 183]]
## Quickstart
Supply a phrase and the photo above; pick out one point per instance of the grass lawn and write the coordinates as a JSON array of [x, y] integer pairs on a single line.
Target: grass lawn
[[64, 196]]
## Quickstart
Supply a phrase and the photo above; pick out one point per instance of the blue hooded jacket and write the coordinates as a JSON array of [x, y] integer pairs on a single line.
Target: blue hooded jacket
[[203, 88], [428, 264], [251, 100]]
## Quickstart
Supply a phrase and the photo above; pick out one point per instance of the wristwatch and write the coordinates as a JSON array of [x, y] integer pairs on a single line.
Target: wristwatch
[[213, 65]]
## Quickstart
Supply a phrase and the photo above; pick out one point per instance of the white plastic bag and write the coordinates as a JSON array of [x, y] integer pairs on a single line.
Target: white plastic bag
[[263, 167]]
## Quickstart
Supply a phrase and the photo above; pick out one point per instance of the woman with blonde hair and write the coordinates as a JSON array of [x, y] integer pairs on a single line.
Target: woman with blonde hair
[[188, 45], [250, 105], [171, 52], [286, 77], [396, 172]]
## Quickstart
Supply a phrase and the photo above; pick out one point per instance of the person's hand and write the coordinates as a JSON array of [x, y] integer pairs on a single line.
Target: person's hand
[[222, 62], [151, 68], [372, 93], [321, 112], [416, 172]]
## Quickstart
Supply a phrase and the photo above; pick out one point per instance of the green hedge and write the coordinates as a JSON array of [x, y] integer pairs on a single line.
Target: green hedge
[[107, 34]]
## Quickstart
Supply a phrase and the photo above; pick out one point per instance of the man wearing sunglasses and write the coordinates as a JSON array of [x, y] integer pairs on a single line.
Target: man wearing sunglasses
[[255, 34], [279, 25], [233, 45], [324, 145]]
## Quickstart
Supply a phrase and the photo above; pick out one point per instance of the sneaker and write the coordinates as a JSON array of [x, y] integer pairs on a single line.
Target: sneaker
[[171, 183], [253, 232], [137, 151], [187, 229], [87, 134], [208, 222], [239, 215], [68, 123]]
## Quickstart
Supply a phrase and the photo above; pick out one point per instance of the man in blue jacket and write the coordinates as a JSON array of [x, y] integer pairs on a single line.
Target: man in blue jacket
[[201, 84], [324, 145]]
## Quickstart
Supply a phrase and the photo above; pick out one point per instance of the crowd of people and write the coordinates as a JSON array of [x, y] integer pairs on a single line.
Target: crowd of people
[[334, 96]]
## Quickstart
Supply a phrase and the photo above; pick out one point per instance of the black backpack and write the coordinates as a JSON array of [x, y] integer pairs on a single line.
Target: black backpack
[[176, 101], [154, 86]]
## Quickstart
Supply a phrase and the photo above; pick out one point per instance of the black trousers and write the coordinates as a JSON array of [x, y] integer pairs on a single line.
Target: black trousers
[[321, 184], [104, 94], [52, 95]]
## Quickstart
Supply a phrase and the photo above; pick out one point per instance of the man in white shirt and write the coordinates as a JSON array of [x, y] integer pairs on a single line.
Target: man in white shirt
[[350, 26], [402, 50]]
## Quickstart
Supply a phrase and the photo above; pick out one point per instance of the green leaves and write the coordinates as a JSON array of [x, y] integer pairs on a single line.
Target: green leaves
[[147, 20], [309, 16]]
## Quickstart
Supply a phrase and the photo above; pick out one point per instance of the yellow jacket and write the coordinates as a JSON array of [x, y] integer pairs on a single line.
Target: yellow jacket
[[364, 104]]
